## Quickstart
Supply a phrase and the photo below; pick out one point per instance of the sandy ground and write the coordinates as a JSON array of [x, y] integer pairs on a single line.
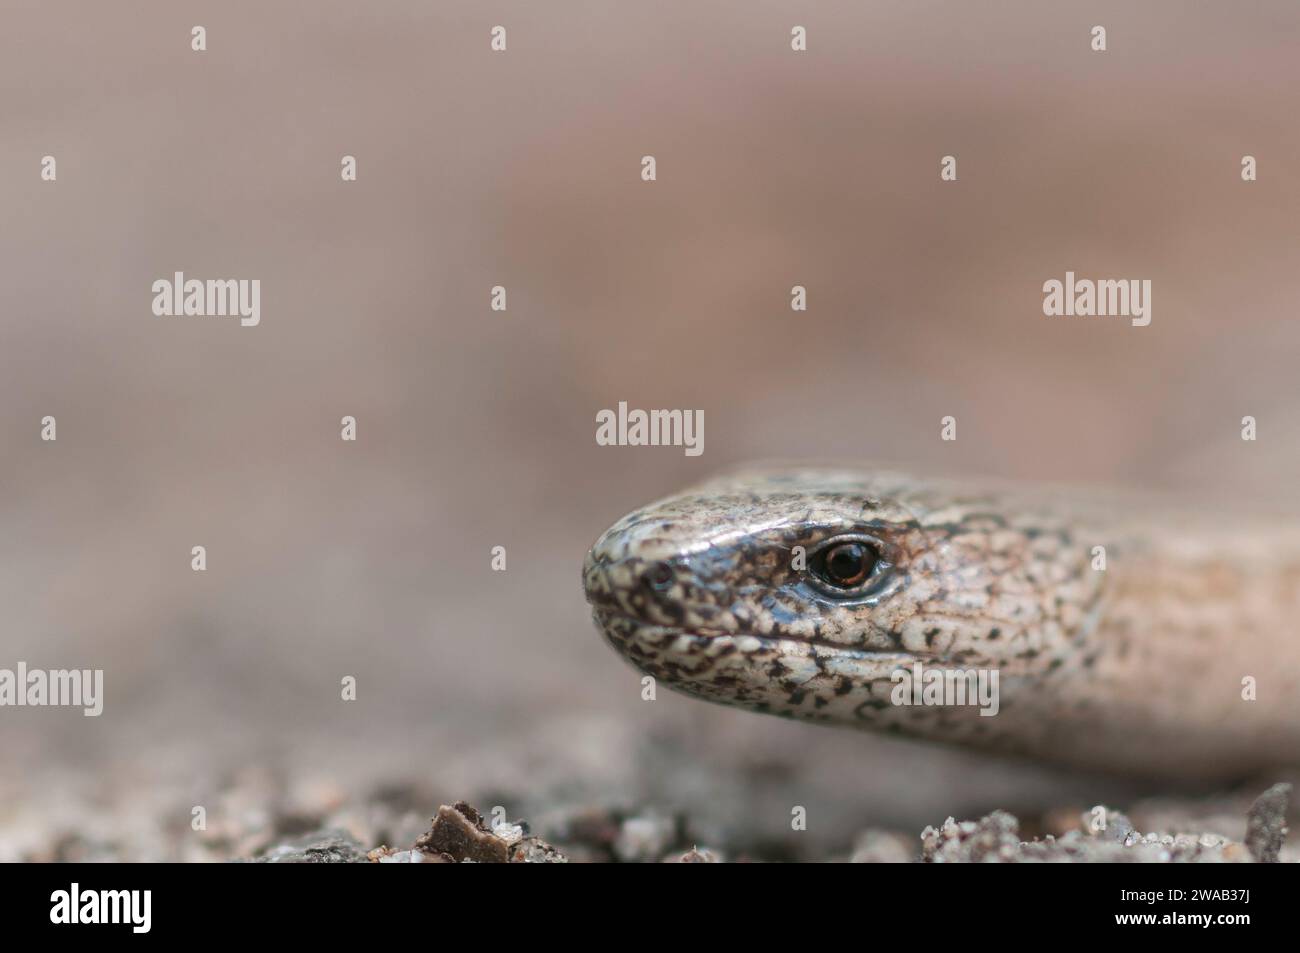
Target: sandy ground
[[647, 808]]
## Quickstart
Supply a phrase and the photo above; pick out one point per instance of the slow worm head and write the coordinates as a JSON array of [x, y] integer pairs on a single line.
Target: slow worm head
[[836, 596]]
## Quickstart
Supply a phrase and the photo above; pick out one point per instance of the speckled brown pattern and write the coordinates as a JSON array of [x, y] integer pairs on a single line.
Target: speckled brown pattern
[[1137, 668]]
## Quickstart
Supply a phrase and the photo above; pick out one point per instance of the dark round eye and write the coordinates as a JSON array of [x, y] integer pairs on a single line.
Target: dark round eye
[[659, 576], [845, 565]]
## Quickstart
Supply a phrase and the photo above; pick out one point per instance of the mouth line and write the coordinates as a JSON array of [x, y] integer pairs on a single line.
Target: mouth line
[[767, 640]]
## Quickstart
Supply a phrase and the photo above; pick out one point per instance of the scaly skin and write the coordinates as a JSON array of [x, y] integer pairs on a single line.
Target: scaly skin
[[1137, 669]]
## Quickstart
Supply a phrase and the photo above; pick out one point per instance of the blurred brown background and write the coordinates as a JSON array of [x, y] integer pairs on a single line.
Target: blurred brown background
[[477, 428]]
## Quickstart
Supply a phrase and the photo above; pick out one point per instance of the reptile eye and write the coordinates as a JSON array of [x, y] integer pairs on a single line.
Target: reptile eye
[[659, 577], [845, 565]]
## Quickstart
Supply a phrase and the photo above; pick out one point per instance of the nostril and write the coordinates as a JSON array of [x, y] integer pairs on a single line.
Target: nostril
[[659, 576]]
